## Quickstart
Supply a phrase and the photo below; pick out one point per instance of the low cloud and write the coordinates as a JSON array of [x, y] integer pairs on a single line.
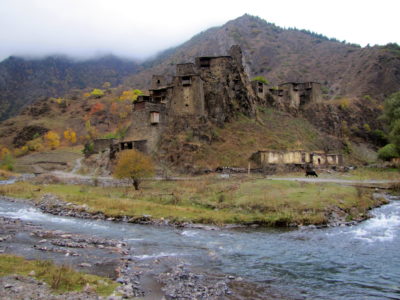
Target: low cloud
[[139, 29]]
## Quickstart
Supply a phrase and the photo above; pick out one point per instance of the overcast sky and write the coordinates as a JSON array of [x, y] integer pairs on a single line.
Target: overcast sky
[[141, 28]]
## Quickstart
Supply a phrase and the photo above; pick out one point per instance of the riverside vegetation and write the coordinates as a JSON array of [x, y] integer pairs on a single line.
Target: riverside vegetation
[[61, 279], [208, 200]]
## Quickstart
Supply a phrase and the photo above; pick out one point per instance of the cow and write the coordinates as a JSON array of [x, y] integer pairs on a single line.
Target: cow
[[311, 173]]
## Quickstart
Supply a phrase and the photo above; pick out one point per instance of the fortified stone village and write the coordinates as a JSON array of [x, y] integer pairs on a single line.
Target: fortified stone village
[[214, 88]]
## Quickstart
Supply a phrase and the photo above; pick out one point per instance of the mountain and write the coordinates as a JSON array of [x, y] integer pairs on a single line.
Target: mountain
[[23, 81], [282, 55]]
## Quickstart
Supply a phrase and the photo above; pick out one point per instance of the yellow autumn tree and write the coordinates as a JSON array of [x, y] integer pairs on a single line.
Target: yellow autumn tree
[[35, 144], [133, 165], [97, 93], [52, 139], [6, 159], [91, 131], [70, 136], [4, 152], [131, 95], [21, 151]]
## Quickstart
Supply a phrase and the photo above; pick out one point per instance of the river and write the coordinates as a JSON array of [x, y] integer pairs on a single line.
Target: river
[[356, 262]]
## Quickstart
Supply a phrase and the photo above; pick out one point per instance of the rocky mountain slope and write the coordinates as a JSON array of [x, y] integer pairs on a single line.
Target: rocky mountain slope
[[283, 55], [354, 81], [279, 54], [23, 81]]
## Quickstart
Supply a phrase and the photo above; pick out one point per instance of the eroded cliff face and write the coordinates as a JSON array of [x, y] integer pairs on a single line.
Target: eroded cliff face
[[357, 120], [183, 138]]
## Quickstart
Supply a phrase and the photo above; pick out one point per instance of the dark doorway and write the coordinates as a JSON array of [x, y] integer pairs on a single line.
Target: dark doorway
[[141, 146]]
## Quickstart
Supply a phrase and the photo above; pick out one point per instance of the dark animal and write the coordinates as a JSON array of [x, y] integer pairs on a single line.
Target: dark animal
[[311, 173]]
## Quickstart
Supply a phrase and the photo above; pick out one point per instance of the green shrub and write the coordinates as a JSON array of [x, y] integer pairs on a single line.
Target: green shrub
[[88, 149], [380, 138], [388, 152], [324, 90], [97, 93], [261, 79], [110, 135], [7, 163], [367, 128]]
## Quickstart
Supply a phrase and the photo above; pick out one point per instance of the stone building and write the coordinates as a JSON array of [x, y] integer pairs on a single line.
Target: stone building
[[150, 116], [296, 157], [214, 87], [187, 96], [289, 96]]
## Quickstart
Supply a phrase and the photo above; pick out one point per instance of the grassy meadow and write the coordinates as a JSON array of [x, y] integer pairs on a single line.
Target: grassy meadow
[[208, 200]]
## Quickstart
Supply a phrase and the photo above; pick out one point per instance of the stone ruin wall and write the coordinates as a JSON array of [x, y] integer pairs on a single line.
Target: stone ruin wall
[[296, 157], [143, 128], [215, 91], [291, 97], [187, 96]]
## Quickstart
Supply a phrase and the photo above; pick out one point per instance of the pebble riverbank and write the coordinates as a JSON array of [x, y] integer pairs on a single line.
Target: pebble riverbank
[[158, 278]]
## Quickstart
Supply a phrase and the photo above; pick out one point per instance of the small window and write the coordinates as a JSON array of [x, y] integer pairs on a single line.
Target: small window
[[260, 90], [158, 81], [154, 117], [204, 62], [186, 80]]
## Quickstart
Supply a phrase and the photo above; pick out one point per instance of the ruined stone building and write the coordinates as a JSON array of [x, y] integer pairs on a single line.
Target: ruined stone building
[[296, 157], [290, 96], [214, 87]]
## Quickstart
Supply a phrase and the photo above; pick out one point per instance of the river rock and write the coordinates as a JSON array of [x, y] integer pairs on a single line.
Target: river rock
[[20, 287], [85, 265], [180, 283]]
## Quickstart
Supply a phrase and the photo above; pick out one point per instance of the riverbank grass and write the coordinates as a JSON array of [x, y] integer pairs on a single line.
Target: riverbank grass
[[61, 279], [362, 173], [374, 174], [213, 201]]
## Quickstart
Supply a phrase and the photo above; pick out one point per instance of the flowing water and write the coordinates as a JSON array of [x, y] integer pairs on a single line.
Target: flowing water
[[357, 262]]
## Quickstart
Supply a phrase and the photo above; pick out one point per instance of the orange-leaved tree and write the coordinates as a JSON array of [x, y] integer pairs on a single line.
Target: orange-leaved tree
[[133, 165], [98, 106], [52, 139]]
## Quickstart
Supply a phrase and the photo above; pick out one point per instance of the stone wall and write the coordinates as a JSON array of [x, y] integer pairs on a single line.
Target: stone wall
[[158, 81], [291, 96], [283, 157], [215, 89], [187, 96], [144, 131], [100, 145], [185, 69], [296, 157]]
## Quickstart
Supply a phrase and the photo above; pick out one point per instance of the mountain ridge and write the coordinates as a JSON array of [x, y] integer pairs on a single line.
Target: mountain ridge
[[23, 81], [283, 55], [278, 54]]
